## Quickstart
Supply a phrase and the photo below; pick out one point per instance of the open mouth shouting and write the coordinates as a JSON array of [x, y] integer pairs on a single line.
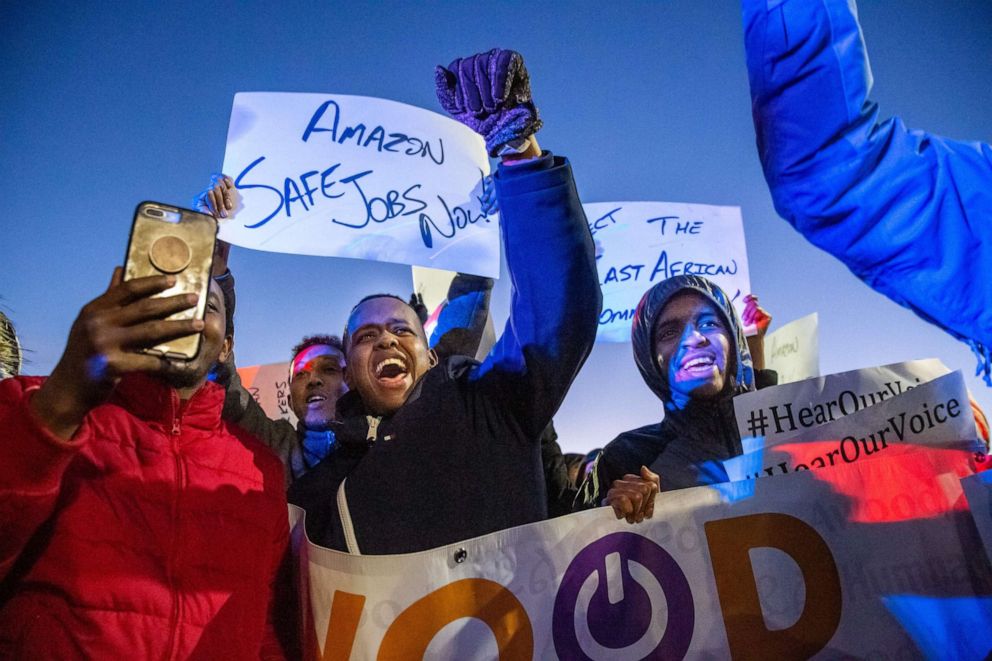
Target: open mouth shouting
[[698, 365], [392, 372]]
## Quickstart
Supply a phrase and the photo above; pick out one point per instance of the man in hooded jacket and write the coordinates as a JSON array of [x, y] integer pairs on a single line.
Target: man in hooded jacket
[[689, 347]]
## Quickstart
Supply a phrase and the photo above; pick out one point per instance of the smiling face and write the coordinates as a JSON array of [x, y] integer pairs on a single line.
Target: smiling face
[[316, 383], [692, 347], [387, 353]]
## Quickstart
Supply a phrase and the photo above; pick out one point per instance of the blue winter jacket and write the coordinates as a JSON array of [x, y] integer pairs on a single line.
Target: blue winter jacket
[[907, 211]]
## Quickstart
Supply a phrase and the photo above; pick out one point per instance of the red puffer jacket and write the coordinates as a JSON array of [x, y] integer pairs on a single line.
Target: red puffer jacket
[[155, 533]]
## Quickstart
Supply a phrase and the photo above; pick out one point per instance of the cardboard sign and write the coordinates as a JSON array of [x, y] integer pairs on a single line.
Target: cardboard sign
[[639, 244], [794, 350], [269, 385], [785, 410], [935, 413], [773, 568], [355, 176]]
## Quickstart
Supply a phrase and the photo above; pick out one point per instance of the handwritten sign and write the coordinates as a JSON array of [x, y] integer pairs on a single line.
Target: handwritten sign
[[767, 415], [354, 176], [269, 385], [780, 568], [639, 244], [935, 413], [794, 350]]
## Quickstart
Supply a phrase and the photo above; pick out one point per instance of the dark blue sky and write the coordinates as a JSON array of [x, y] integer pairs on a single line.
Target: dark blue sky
[[103, 105]]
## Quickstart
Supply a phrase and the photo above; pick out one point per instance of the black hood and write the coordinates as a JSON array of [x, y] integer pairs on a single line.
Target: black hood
[[740, 376]]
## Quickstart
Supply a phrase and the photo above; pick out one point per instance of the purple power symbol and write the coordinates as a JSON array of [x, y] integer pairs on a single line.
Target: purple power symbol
[[621, 624]]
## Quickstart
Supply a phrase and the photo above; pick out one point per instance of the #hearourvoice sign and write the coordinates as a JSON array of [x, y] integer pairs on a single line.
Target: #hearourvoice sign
[[935, 413], [360, 177], [639, 244], [783, 411], [865, 560]]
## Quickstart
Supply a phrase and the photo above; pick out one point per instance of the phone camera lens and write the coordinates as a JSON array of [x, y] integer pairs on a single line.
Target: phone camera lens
[[157, 213]]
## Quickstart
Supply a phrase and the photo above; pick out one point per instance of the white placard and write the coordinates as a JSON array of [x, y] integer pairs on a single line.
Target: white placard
[[935, 413], [856, 561], [360, 177], [783, 411], [639, 244], [793, 350]]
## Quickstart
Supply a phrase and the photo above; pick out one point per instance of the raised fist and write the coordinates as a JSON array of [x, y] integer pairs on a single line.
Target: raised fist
[[490, 93]]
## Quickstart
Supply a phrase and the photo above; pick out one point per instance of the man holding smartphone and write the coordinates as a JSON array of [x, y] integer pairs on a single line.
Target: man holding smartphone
[[135, 521]]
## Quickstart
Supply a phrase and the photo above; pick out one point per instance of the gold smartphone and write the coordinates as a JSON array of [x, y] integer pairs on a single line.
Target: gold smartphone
[[174, 241]]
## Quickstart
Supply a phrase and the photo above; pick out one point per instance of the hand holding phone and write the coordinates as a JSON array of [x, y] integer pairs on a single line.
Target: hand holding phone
[[172, 241], [104, 344]]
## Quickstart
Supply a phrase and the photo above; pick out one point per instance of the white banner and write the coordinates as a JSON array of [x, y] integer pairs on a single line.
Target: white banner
[[782, 411], [639, 244], [793, 350], [868, 560], [934, 413], [360, 177], [269, 385]]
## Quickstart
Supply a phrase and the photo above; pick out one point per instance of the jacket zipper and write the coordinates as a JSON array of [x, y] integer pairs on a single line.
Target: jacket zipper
[[344, 513], [373, 434], [172, 561]]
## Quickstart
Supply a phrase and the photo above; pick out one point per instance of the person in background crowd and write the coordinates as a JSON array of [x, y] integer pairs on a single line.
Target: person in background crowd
[[906, 211], [689, 347], [316, 382], [136, 523], [415, 431]]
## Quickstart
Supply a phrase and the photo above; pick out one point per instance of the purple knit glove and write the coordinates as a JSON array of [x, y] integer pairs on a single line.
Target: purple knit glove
[[489, 93]]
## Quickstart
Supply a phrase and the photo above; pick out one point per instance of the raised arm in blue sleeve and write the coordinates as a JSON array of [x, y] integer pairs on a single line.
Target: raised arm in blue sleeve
[[555, 300], [907, 211]]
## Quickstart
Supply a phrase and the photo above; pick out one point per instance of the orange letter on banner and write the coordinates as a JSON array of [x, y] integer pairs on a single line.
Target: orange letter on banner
[[346, 611], [410, 634], [730, 541]]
